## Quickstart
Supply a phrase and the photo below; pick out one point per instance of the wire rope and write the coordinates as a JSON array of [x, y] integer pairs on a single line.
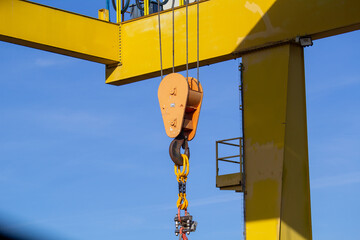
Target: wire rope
[[198, 44], [187, 41], [173, 36]]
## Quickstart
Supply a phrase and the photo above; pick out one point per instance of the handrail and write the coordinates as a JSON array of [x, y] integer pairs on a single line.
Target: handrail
[[226, 158]]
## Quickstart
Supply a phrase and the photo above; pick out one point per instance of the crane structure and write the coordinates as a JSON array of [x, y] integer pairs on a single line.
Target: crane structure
[[269, 35]]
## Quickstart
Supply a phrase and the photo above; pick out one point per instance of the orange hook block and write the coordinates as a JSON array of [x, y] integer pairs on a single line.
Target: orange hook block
[[180, 103]]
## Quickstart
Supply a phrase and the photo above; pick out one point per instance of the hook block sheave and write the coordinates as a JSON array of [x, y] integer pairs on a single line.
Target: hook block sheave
[[180, 102]]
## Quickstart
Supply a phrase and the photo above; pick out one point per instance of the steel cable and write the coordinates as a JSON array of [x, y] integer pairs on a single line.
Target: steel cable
[[187, 41], [173, 36], [198, 44]]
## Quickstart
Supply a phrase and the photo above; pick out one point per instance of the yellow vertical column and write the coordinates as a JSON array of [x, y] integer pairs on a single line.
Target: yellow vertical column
[[118, 11], [146, 7], [277, 199]]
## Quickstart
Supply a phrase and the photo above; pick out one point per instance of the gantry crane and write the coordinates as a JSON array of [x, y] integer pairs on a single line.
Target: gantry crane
[[269, 35]]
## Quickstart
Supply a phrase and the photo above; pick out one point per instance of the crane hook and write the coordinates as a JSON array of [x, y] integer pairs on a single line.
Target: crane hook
[[174, 149]]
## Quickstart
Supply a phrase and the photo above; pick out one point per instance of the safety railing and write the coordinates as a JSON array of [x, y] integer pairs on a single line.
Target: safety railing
[[236, 142]]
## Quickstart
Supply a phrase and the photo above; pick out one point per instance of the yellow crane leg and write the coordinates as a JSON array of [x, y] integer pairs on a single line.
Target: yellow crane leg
[[277, 189]]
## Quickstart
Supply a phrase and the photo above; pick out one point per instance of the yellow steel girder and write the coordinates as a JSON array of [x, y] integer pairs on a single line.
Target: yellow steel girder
[[54, 30], [228, 29]]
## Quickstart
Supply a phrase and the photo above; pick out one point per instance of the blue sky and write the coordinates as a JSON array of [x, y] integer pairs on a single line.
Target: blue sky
[[84, 160]]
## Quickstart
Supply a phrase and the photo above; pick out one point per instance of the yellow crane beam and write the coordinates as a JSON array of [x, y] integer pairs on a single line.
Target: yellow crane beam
[[46, 28], [227, 30]]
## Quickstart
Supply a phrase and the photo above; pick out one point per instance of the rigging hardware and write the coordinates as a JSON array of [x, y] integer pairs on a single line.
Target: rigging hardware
[[174, 149], [183, 224], [180, 101]]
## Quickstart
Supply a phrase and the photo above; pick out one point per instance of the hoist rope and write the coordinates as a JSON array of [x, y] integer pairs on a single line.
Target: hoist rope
[[173, 36], [161, 67], [187, 40], [198, 43]]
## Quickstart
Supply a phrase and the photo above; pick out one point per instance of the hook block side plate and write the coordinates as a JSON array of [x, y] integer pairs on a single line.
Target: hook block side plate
[[173, 94]]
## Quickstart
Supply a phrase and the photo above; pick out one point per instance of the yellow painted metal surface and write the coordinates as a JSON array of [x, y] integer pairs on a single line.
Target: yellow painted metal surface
[[231, 181], [276, 158], [228, 28], [118, 11], [58, 31], [295, 205], [103, 14], [146, 7]]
